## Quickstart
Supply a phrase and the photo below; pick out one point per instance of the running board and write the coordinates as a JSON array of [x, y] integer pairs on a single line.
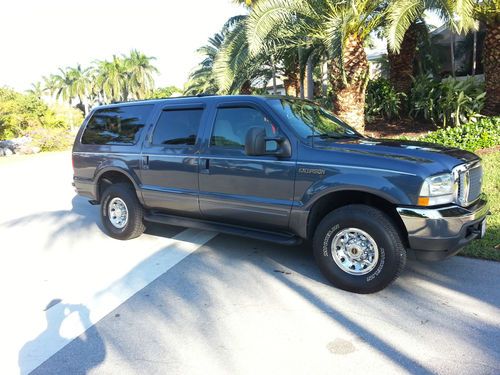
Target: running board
[[179, 221]]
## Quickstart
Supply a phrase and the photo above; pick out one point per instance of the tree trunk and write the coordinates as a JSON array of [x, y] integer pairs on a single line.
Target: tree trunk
[[309, 89], [491, 59], [302, 86], [401, 64], [291, 82], [452, 52], [291, 86], [301, 73], [474, 53], [324, 78], [349, 89], [275, 89], [246, 88]]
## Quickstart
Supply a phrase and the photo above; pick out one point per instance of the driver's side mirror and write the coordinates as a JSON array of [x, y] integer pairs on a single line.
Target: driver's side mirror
[[258, 144]]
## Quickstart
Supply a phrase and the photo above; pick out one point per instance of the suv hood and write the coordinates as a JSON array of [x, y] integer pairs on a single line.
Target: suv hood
[[411, 151]]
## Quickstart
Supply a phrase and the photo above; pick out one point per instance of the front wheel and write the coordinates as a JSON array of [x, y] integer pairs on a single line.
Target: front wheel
[[359, 249], [121, 212]]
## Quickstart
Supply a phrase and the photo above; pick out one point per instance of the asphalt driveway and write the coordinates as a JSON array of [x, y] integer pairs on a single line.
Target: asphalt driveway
[[183, 301]]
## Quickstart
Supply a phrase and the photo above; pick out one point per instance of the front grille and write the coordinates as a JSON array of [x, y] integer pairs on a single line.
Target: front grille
[[469, 179], [475, 182]]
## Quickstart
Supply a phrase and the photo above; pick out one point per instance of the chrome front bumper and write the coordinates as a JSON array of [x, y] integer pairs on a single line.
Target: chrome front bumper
[[437, 233]]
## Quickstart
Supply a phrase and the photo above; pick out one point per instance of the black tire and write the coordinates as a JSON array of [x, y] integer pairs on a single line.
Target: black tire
[[391, 254], [134, 226]]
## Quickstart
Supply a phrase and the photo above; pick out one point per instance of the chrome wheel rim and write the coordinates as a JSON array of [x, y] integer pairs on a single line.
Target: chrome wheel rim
[[118, 213], [354, 251]]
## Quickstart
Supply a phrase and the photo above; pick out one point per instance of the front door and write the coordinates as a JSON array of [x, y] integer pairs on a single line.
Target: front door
[[169, 169], [240, 189]]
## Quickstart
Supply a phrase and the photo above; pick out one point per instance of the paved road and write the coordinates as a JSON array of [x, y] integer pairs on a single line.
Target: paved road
[[182, 301]]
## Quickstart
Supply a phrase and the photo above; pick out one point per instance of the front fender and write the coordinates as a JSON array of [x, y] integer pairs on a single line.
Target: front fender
[[395, 189]]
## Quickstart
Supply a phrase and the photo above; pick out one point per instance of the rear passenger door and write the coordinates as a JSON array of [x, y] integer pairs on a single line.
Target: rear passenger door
[[241, 189], [169, 168]]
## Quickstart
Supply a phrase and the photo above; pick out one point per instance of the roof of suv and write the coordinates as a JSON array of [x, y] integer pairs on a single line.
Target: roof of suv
[[197, 98]]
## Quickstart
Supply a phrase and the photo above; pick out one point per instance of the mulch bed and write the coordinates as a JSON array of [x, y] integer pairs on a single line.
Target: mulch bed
[[381, 128], [486, 151]]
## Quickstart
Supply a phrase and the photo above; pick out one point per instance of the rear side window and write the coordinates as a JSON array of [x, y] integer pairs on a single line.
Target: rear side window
[[177, 127], [117, 125], [232, 124]]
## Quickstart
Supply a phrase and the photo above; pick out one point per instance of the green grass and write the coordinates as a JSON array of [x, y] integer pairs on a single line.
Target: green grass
[[489, 247]]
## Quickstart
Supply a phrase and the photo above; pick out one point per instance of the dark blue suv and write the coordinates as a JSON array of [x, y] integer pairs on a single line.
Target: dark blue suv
[[283, 170]]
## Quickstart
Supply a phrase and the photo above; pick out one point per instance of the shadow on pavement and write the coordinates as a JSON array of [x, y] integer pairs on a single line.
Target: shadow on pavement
[[56, 312], [185, 303], [201, 301]]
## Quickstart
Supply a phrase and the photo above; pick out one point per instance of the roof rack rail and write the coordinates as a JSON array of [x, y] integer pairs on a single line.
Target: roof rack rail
[[201, 95], [169, 97]]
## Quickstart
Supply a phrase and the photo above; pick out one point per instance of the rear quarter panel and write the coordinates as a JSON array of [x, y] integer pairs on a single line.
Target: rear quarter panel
[[90, 161]]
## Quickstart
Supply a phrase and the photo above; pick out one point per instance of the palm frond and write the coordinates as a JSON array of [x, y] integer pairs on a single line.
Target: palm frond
[[270, 15], [401, 14]]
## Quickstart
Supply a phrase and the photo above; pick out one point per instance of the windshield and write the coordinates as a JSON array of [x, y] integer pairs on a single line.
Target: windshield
[[310, 120]]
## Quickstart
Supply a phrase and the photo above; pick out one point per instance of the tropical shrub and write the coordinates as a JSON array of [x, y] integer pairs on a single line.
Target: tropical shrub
[[52, 139], [27, 115], [470, 136], [446, 102], [164, 92], [382, 100], [19, 112]]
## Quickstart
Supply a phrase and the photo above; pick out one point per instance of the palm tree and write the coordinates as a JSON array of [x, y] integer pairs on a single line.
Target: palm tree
[[291, 71], [488, 12], [401, 63], [80, 86], [111, 78], [37, 90], [461, 17], [50, 84], [140, 72], [340, 27], [63, 84], [248, 3], [202, 79], [234, 69]]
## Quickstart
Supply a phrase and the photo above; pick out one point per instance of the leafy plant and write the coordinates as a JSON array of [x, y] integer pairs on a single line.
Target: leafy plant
[[28, 115], [460, 101], [471, 136], [382, 100], [164, 92], [19, 112], [52, 139], [447, 102]]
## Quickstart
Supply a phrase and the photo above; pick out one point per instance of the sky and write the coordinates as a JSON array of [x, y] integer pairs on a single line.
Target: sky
[[39, 36]]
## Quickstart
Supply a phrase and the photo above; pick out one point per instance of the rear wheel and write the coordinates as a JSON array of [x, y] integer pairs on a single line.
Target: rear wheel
[[121, 212], [358, 248]]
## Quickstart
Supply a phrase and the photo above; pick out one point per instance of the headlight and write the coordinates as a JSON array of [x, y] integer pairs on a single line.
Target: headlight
[[436, 190]]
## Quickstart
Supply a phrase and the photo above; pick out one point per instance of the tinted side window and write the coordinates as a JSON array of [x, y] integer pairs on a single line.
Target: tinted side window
[[231, 126], [177, 127], [117, 125]]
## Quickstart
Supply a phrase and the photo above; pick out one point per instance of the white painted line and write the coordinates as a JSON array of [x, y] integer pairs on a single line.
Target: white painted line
[[38, 334]]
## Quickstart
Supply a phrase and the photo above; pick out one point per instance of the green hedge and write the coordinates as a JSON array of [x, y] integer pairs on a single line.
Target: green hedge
[[50, 126], [471, 136]]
